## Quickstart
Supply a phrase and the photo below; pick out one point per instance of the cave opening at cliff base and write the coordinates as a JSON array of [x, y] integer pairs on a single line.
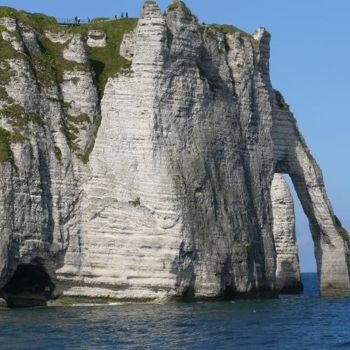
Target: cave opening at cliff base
[[30, 285]]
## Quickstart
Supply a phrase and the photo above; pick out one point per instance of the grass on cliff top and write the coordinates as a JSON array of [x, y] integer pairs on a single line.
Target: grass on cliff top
[[36, 20], [223, 28], [227, 29], [181, 5], [106, 61]]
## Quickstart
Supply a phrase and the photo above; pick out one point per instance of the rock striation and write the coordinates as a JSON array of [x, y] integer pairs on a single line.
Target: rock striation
[[288, 279], [142, 160]]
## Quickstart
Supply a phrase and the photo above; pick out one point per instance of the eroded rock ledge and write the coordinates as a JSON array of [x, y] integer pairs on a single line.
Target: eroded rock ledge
[[141, 160]]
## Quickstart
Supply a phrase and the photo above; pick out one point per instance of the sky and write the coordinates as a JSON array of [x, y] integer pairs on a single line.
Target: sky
[[310, 65]]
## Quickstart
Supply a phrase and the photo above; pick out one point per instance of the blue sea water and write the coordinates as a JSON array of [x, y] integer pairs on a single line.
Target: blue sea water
[[289, 322]]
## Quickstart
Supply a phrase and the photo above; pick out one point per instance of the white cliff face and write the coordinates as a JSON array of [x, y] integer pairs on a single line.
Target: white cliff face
[[331, 242], [165, 186], [130, 225], [288, 278]]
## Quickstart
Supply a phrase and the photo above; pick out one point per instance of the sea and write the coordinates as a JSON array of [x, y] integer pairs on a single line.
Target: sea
[[288, 322]]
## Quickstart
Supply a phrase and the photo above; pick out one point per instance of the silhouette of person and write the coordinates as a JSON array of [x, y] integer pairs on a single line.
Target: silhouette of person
[[122, 15], [126, 15]]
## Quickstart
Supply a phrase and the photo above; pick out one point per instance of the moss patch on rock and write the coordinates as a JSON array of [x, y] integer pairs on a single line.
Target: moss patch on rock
[[6, 73], [58, 154], [85, 156], [341, 230], [7, 51], [228, 29], [136, 202], [18, 118], [5, 145], [51, 65]]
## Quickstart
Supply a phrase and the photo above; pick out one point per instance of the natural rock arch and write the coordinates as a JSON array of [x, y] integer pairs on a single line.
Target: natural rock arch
[[293, 157]]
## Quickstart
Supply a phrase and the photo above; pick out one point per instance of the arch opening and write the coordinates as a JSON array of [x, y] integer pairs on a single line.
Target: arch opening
[[305, 246], [294, 243], [30, 286]]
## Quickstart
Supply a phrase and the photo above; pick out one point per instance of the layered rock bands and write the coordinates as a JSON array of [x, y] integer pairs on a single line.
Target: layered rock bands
[[163, 180]]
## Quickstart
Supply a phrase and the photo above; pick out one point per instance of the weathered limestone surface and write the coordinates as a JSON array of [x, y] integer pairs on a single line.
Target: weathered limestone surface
[[292, 156], [96, 38], [174, 192], [288, 278]]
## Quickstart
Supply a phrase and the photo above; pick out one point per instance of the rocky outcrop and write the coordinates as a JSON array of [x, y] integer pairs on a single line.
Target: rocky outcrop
[[292, 156], [152, 175], [288, 279], [96, 38]]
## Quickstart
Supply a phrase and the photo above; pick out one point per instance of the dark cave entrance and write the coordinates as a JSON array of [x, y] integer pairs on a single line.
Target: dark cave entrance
[[29, 286]]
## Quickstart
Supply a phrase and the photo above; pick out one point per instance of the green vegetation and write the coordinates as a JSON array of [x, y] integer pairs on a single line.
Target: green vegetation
[[58, 154], [49, 68], [70, 127], [4, 95], [136, 202], [7, 51], [51, 65], [5, 73], [70, 132], [18, 118], [173, 6], [341, 230], [17, 137], [86, 155], [36, 20], [5, 145], [245, 246], [106, 61], [181, 5], [227, 29], [75, 80], [280, 100]]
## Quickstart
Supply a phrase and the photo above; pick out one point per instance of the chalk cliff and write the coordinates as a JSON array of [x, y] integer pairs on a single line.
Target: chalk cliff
[[142, 160]]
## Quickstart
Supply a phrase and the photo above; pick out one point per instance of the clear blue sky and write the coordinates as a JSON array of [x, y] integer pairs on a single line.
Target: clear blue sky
[[310, 64]]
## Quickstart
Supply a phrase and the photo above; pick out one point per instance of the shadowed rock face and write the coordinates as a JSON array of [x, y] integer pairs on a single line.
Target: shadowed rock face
[[173, 192]]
